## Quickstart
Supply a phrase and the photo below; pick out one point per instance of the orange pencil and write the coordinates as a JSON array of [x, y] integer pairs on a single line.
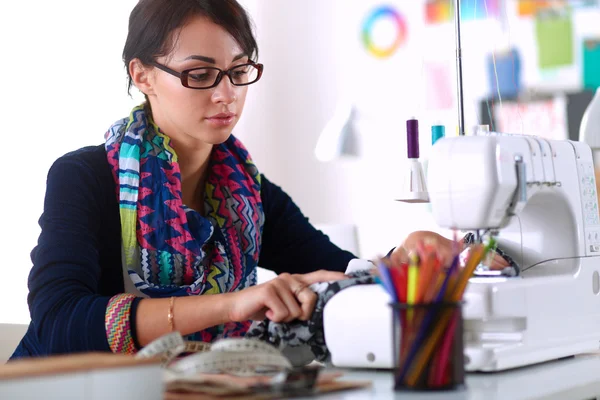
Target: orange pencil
[[426, 276]]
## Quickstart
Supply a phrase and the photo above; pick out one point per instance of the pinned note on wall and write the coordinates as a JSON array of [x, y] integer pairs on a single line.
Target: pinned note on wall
[[504, 74], [440, 11], [554, 32], [591, 63], [545, 118], [439, 92], [529, 8]]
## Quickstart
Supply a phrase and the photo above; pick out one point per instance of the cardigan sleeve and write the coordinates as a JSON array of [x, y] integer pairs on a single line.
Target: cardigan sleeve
[[290, 243], [67, 311]]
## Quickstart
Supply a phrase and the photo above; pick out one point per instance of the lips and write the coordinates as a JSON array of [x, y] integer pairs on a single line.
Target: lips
[[222, 119]]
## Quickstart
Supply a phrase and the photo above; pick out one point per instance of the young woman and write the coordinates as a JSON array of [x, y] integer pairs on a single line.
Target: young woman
[[162, 227]]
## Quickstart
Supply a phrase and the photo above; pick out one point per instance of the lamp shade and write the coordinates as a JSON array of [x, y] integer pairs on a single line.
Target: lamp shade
[[339, 137], [589, 130]]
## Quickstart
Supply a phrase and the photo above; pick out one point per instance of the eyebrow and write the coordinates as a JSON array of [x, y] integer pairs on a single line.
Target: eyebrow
[[211, 60]]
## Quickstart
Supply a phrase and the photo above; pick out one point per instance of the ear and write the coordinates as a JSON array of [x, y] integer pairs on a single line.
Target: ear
[[141, 76]]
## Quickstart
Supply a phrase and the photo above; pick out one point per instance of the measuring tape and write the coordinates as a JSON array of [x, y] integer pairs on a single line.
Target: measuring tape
[[235, 356]]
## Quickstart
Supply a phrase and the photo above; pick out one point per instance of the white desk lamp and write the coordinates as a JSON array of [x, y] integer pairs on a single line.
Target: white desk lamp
[[589, 130], [339, 138]]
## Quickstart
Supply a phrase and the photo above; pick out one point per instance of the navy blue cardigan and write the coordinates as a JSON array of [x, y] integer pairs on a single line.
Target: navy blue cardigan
[[77, 261]]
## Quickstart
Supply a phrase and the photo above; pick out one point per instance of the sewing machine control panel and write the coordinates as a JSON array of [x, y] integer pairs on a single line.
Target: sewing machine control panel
[[589, 198]]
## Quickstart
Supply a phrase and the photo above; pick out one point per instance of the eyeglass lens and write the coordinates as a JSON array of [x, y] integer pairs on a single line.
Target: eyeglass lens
[[206, 77]]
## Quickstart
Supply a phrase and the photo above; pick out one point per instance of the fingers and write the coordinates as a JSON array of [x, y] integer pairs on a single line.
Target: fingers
[[303, 295], [308, 300], [277, 308], [444, 250], [321, 276], [286, 291], [288, 297], [260, 315], [399, 256], [445, 255], [498, 262]]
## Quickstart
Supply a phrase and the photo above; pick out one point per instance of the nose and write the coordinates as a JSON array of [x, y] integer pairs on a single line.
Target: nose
[[224, 92]]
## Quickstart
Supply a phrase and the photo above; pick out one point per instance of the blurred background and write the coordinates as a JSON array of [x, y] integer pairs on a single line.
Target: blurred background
[[339, 74]]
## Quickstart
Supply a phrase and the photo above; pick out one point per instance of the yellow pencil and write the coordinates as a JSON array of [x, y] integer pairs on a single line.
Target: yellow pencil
[[413, 278]]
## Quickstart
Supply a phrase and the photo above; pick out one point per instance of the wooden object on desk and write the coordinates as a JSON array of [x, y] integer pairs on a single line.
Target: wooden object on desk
[[90, 376], [222, 386]]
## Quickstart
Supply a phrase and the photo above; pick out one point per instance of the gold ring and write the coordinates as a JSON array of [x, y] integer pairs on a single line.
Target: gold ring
[[299, 289]]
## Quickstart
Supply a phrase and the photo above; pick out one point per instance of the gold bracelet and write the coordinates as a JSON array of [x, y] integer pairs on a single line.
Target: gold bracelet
[[171, 314]]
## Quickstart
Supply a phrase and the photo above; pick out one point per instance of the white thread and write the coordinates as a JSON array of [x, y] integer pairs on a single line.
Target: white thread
[[494, 62], [513, 70]]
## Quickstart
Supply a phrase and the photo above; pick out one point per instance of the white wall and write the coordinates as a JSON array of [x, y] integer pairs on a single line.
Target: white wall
[[62, 84], [289, 107]]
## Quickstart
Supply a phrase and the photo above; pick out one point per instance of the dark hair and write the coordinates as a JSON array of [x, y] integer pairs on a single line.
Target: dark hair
[[153, 22]]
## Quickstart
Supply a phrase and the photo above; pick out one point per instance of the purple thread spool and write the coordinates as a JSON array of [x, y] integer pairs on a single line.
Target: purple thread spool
[[412, 136]]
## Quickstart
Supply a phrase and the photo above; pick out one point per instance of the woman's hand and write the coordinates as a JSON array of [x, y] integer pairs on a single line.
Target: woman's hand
[[282, 299], [445, 248]]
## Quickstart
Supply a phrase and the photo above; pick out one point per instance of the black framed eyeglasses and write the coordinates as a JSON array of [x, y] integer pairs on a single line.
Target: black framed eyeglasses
[[209, 77]]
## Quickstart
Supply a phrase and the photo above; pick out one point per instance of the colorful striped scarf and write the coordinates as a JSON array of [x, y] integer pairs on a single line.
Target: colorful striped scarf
[[170, 249]]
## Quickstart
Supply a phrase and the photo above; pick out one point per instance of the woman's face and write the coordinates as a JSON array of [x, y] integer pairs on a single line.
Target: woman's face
[[195, 116]]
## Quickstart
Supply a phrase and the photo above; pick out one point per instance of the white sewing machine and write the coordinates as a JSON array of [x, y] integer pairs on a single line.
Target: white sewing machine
[[540, 197]]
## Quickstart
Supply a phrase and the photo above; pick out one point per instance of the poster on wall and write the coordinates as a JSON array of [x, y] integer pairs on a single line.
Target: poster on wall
[[591, 63], [382, 40], [529, 8], [554, 34], [439, 92], [440, 11], [384, 30], [544, 118]]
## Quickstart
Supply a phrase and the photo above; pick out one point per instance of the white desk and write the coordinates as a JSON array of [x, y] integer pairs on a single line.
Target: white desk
[[567, 379]]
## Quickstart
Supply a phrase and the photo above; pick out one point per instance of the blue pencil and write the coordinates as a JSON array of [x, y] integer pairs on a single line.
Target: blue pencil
[[386, 280]]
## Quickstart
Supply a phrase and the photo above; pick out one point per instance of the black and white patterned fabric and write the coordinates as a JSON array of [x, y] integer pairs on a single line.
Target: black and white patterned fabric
[[304, 341]]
